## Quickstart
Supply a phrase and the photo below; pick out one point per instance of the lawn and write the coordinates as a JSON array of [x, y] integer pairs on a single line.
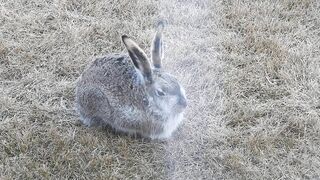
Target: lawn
[[251, 71]]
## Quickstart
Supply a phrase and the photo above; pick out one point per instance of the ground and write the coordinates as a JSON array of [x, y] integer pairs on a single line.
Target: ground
[[250, 70]]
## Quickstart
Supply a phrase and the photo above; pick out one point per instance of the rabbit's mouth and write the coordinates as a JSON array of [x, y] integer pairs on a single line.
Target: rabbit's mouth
[[182, 102], [180, 107]]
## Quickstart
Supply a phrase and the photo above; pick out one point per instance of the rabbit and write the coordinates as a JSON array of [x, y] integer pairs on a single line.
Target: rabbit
[[129, 94]]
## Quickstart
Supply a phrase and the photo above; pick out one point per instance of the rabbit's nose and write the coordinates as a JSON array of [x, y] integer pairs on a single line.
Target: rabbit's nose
[[182, 101]]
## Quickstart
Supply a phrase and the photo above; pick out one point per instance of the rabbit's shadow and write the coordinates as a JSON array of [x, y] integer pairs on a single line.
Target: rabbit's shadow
[[109, 130]]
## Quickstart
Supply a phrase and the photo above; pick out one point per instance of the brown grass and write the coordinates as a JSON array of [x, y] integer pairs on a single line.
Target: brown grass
[[250, 69]]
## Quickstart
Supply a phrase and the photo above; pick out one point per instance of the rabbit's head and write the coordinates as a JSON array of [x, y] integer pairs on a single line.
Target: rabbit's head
[[166, 96]]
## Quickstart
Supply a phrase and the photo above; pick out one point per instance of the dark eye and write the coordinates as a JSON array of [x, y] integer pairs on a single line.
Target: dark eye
[[160, 93]]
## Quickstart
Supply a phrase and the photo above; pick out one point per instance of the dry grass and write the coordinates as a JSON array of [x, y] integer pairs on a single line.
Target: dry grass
[[250, 69]]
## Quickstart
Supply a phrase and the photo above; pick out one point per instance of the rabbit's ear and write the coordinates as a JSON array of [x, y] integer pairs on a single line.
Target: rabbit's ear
[[157, 47], [138, 57]]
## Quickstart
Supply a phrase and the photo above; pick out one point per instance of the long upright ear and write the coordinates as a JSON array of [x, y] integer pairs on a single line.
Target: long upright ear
[[139, 58], [157, 47]]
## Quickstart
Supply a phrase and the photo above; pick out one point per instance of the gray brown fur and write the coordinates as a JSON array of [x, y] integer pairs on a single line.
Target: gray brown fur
[[157, 48], [130, 96]]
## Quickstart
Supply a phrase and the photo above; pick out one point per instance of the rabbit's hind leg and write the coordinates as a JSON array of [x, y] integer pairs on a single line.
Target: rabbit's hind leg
[[92, 105]]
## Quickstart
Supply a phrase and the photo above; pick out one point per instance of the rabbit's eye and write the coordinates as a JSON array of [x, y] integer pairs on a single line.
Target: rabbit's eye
[[160, 93]]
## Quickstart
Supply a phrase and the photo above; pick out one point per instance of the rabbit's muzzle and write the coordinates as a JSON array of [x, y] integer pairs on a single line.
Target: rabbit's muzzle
[[182, 102]]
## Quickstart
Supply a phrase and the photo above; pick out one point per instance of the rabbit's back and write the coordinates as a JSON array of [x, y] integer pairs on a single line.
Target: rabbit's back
[[107, 87], [117, 77]]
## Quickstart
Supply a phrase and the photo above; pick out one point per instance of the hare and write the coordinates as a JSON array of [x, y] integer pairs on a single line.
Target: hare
[[128, 94]]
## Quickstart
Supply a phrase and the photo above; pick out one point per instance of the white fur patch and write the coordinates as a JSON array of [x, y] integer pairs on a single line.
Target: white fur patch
[[183, 92], [167, 105], [169, 127]]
